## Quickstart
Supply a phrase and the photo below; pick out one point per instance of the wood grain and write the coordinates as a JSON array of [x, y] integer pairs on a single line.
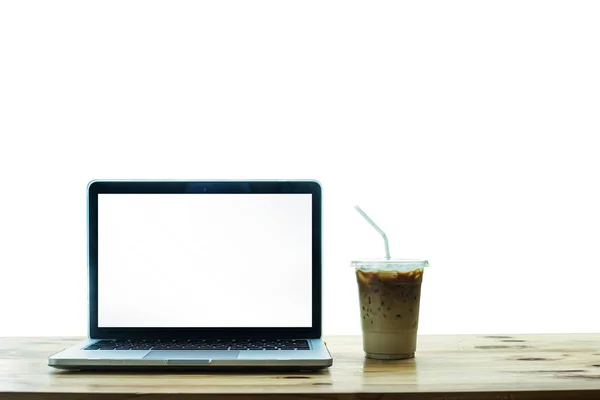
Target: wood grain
[[446, 367]]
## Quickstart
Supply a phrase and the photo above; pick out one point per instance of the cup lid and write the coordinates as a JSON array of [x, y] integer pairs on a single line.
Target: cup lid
[[394, 263], [391, 260]]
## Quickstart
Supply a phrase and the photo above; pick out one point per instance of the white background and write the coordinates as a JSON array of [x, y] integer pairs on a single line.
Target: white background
[[466, 129], [204, 260]]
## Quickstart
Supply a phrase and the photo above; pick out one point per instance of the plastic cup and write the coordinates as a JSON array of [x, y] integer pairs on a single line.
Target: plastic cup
[[389, 296]]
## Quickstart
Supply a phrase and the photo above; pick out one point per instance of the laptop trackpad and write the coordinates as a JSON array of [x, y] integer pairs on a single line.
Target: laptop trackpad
[[192, 355]]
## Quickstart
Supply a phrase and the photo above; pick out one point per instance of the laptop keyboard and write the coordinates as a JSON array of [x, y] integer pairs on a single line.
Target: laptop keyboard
[[290, 344]]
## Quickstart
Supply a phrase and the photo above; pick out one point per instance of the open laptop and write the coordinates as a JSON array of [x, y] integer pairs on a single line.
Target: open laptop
[[211, 274]]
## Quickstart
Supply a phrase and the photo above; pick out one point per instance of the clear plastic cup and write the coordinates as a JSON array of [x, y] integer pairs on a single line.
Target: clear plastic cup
[[389, 296]]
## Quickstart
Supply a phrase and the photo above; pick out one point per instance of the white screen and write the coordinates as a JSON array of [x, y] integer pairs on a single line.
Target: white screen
[[204, 260]]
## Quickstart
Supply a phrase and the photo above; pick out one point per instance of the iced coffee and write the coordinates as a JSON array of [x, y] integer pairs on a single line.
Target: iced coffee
[[389, 297]]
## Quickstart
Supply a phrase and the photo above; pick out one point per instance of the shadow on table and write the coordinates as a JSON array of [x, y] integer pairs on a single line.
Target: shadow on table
[[285, 373], [371, 365]]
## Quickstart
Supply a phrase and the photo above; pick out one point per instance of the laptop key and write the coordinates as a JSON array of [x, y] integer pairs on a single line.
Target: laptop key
[[294, 348]]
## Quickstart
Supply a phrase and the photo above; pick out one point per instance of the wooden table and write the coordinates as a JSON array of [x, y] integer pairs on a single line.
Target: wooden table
[[446, 367]]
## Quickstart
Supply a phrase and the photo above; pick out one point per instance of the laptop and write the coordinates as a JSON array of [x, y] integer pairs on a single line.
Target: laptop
[[203, 275]]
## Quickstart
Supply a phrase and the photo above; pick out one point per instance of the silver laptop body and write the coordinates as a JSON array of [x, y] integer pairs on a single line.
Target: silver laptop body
[[202, 274]]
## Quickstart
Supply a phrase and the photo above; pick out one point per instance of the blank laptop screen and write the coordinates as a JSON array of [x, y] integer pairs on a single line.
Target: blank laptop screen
[[204, 260]]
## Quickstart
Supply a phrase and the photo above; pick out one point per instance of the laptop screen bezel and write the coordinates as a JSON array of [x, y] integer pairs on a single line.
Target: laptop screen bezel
[[100, 187]]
